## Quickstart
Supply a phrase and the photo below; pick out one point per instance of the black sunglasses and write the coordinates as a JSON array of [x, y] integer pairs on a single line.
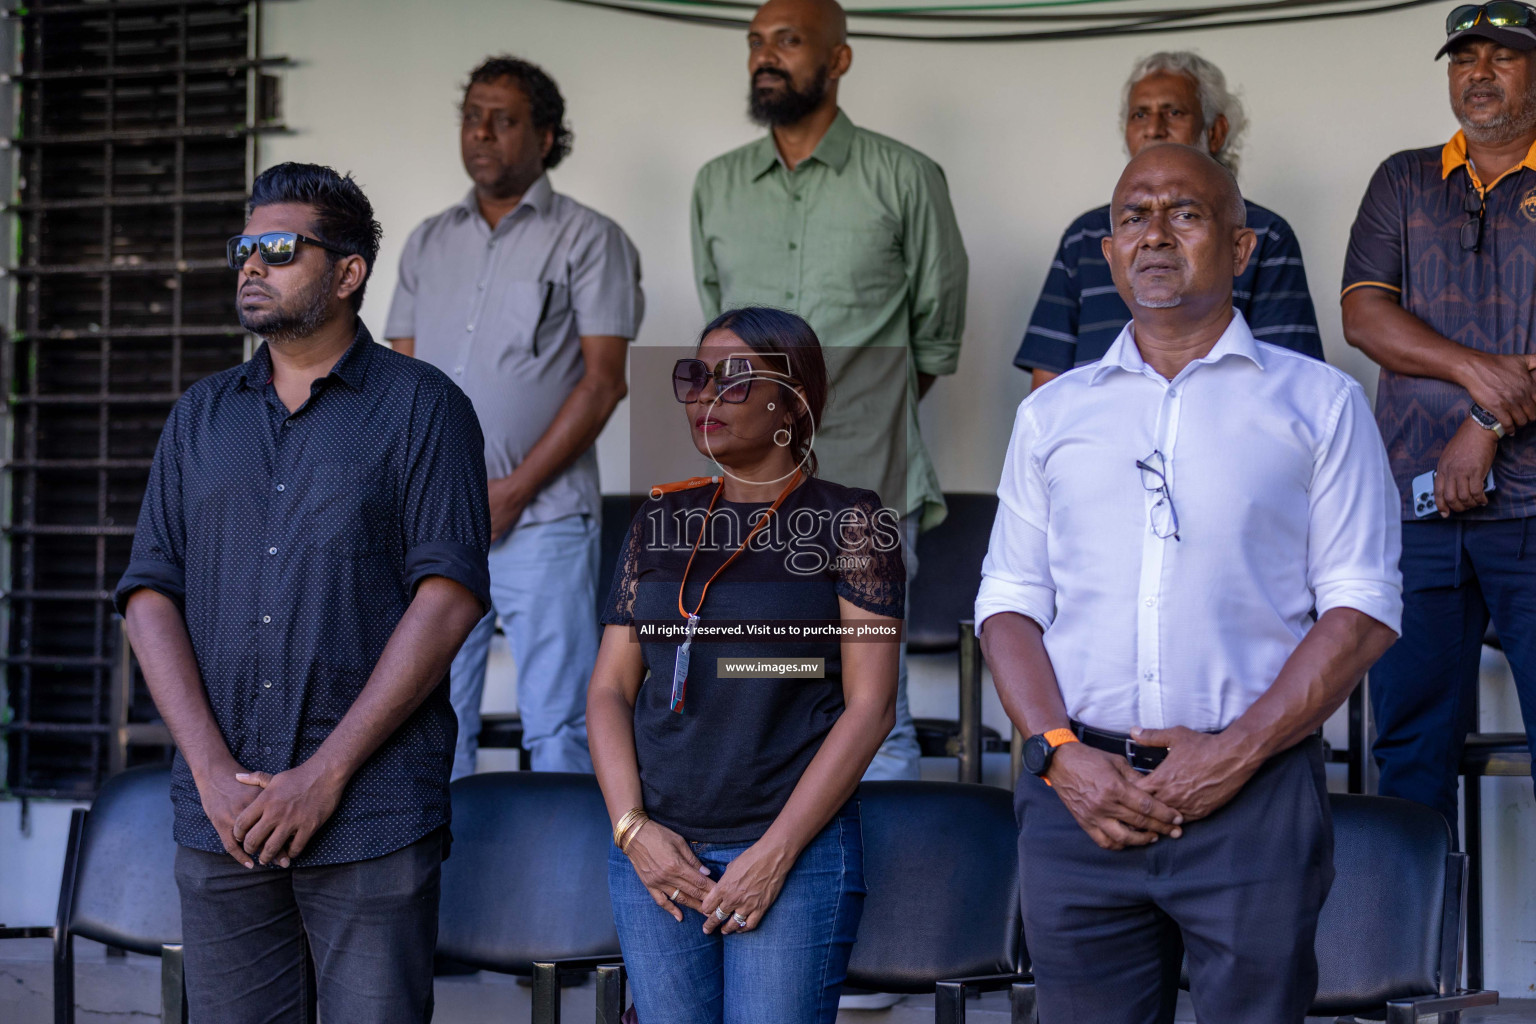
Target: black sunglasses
[[275, 247], [1472, 204], [1499, 14], [732, 375]]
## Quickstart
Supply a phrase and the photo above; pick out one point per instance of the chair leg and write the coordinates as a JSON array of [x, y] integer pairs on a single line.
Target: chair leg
[[1357, 738], [1021, 998], [949, 1003], [1472, 804], [64, 979], [546, 994], [610, 993], [173, 985], [970, 703]]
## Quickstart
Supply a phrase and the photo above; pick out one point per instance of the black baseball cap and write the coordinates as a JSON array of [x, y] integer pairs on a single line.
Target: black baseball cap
[[1506, 22]]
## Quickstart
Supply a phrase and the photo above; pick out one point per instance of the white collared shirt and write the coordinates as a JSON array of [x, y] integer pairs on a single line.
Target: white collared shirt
[[1285, 503]]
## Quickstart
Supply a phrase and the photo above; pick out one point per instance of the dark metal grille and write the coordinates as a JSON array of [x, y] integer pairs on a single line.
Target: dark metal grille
[[133, 148]]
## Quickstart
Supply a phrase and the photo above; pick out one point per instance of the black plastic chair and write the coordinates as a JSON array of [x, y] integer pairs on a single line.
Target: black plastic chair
[[942, 914], [941, 603], [119, 888], [525, 888], [1389, 936]]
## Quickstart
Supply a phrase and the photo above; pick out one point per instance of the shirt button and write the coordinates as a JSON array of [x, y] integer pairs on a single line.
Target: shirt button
[[793, 246], [480, 287], [266, 750], [458, 370], [469, 327], [1151, 602], [1149, 675], [789, 295], [1173, 393], [280, 487], [271, 551], [266, 618], [797, 197], [266, 684]]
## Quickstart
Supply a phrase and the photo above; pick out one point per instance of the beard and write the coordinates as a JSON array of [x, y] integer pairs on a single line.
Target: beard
[[304, 315], [1501, 127], [771, 108]]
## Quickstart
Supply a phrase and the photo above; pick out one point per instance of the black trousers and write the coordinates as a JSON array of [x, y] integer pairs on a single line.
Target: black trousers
[[371, 926], [1240, 891]]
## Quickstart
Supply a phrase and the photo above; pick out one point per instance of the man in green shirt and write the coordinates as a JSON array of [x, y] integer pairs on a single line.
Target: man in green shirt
[[855, 232]]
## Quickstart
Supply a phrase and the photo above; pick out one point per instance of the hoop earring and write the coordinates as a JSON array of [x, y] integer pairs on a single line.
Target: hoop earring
[[776, 434]]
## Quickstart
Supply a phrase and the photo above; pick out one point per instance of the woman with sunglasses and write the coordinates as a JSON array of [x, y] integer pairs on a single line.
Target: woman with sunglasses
[[737, 874]]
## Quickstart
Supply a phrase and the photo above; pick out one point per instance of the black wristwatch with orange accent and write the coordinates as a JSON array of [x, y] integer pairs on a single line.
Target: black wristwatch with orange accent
[[1040, 749]]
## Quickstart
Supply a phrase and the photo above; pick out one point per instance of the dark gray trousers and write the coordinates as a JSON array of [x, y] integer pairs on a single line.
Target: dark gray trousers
[[371, 926], [1240, 891]]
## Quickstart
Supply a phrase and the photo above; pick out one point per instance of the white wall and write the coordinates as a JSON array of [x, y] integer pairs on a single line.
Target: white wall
[[1025, 132]]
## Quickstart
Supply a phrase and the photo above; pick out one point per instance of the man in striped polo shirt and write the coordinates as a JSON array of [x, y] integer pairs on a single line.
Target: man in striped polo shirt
[[1169, 97]]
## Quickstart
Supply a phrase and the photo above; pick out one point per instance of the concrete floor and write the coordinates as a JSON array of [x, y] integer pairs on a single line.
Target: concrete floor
[[122, 989]]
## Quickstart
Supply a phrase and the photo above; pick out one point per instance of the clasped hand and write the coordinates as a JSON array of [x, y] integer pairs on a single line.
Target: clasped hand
[[667, 866], [285, 815], [1120, 807]]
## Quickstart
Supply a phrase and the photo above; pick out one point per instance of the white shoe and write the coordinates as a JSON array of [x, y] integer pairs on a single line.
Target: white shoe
[[868, 1000]]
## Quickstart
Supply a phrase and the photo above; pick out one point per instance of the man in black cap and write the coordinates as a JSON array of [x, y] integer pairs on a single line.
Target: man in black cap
[[1440, 290]]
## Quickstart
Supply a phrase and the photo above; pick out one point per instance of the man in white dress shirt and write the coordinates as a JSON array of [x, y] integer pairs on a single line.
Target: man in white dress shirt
[[1170, 520]]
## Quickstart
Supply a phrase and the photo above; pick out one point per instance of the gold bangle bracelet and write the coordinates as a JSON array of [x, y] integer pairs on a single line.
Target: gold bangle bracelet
[[624, 823], [634, 831]]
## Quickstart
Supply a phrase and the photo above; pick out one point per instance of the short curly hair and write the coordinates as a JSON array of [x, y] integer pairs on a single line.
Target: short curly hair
[[543, 96]]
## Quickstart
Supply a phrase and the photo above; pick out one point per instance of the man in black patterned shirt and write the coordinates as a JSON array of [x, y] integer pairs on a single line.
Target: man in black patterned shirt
[[310, 554]]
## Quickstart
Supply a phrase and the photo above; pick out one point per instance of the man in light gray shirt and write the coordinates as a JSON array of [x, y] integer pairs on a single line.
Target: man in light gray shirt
[[528, 301]]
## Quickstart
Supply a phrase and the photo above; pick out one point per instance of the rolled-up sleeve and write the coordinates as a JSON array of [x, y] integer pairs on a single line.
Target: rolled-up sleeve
[[605, 284], [1355, 528], [158, 561], [446, 518], [937, 272], [1016, 573]]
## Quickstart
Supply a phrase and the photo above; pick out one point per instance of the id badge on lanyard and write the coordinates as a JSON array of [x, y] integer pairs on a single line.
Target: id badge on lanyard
[[680, 669]]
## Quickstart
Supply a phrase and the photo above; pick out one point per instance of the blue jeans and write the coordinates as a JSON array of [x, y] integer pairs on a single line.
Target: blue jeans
[[1457, 575], [543, 584], [899, 757], [787, 970]]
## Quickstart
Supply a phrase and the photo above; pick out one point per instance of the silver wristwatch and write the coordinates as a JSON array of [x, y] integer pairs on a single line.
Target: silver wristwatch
[[1487, 420]]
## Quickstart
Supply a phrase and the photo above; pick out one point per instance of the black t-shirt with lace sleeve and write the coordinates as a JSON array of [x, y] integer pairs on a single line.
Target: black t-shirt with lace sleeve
[[722, 769]]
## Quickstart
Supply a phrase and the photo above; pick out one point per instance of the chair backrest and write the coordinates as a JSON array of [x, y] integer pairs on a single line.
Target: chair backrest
[[124, 891], [1391, 925], [941, 870], [527, 877], [949, 560]]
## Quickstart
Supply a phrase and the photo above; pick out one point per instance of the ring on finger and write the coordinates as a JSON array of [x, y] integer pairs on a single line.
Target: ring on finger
[[721, 914], [741, 922]]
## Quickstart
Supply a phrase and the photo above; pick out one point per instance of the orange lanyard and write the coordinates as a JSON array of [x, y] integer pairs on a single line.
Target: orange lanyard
[[680, 668]]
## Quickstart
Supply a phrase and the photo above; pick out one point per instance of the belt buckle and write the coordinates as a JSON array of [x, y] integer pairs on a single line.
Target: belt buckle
[[1130, 753]]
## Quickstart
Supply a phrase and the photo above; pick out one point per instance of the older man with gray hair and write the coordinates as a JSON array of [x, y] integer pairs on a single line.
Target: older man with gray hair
[[1169, 97]]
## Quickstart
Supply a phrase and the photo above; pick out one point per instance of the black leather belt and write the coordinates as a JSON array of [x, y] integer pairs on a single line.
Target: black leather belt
[[1141, 758]]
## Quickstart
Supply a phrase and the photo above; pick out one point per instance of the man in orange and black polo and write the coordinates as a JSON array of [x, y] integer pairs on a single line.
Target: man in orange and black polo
[[1440, 290]]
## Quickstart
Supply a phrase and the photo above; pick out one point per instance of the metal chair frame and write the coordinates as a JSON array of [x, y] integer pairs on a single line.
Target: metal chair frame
[[173, 989]]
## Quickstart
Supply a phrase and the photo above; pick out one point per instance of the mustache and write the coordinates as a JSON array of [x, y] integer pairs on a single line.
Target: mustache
[[1485, 88], [1160, 260], [771, 73]]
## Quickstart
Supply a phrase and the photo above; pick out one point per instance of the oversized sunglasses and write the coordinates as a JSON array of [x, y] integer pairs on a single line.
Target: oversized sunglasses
[[732, 375], [275, 247], [1499, 14]]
